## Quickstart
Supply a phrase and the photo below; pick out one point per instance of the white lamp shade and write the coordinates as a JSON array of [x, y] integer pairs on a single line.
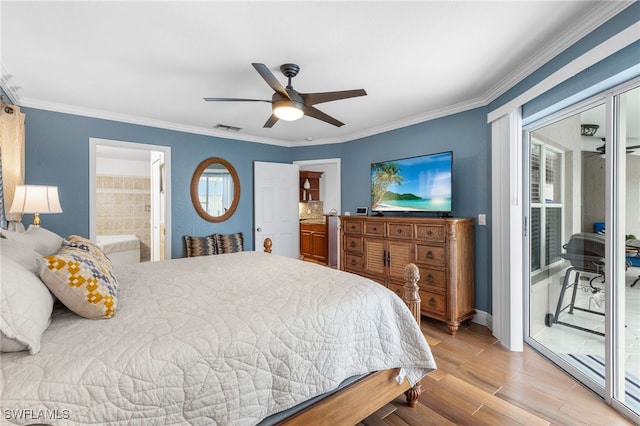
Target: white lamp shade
[[287, 110], [36, 199]]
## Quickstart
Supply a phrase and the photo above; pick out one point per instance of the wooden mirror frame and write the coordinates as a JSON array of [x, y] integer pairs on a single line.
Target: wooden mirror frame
[[194, 189]]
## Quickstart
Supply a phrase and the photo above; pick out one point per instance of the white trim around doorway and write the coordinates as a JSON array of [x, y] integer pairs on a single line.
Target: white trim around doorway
[[93, 143]]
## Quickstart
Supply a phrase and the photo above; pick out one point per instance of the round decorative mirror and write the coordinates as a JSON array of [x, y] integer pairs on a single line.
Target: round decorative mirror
[[215, 189]]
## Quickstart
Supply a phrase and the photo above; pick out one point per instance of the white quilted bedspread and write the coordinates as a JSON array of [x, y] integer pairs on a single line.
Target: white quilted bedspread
[[224, 340]]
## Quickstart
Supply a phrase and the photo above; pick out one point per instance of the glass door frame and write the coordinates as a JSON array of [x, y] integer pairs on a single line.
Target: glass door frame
[[615, 255]]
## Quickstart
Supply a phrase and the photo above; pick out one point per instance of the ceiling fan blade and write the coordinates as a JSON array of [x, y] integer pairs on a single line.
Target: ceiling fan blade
[[270, 79], [318, 98], [271, 121], [234, 100], [316, 113]]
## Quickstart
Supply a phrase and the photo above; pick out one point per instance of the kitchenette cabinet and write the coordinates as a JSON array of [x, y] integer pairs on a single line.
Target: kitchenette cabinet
[[309, 185], [313, 241], [319, 240]]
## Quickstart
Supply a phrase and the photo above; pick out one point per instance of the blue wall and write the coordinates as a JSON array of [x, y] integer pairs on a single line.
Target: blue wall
[[466, 134], [57, 153]]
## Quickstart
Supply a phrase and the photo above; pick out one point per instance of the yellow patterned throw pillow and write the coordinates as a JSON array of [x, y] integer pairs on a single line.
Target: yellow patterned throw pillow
[[82, 280]]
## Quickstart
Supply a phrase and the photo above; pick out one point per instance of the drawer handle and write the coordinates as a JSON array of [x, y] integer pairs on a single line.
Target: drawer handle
[[375, 229], [429, 254], [353, 262], [353, 243], [429, 277], [429, 232], [399, 231], [432, 302]]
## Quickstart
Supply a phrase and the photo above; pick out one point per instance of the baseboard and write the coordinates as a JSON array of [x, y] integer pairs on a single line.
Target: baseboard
[[483, 318]]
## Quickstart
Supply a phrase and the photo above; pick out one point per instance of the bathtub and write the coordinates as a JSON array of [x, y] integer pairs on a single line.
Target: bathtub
[[121, 249]]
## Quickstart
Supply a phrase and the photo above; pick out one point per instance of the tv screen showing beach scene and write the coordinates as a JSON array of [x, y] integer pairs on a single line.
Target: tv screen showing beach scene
[[416, 184]]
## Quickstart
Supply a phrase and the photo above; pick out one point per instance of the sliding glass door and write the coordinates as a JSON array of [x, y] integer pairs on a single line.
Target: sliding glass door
[[624, 385], [583, 222]]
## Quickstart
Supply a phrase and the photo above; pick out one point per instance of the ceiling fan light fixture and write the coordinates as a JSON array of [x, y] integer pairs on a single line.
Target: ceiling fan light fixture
[[288, 110], [588, 129]]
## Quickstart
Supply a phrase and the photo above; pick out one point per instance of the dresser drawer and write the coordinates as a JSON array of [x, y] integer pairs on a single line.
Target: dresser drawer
[[432, 278], [374, 228], [353, 227], [433, 302], [352, 244], [400, 230], [352, 263], [434, 233], [431, 255]]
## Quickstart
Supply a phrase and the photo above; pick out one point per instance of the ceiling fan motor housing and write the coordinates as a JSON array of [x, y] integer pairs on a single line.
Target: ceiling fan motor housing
[[289, 70]]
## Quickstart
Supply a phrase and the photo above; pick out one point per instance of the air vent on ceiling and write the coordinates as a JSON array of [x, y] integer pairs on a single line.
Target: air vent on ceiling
[[227, 127]]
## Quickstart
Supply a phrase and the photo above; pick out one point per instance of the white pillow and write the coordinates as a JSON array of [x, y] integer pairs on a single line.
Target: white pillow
[[8, 344], [25, 307], [39, 239], [20, 254]]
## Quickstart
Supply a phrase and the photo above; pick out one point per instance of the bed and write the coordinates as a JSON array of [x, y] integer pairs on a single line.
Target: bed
[[227, 339], [121, 249]]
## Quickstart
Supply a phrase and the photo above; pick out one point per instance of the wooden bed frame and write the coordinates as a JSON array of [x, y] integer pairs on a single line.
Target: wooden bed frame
[[364, 397]]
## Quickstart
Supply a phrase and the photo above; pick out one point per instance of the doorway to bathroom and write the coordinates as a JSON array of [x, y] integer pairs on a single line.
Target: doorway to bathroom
[[129, 196]]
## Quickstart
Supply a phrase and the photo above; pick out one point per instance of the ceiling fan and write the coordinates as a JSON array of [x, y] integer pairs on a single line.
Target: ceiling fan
[[289, 104], [603, 148]]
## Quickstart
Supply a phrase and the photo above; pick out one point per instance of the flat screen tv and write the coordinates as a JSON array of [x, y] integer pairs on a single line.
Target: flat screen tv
[[416, 184]]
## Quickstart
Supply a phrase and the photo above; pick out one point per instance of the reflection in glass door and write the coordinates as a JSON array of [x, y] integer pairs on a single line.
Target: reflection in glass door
[[584, 223]]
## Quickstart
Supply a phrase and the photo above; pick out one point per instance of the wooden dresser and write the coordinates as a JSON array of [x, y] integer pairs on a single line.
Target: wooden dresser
[[380, 247]]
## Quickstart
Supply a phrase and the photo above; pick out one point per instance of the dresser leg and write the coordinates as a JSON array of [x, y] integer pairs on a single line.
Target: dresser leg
[[453, 327]]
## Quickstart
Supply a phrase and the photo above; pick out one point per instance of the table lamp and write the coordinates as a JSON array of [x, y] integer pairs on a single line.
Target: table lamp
[[36, 199]]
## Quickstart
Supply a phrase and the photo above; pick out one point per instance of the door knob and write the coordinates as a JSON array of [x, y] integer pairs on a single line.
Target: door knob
[[259, 229]]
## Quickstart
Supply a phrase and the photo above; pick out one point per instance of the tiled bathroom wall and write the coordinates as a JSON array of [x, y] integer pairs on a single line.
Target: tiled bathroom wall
[[123, 207]]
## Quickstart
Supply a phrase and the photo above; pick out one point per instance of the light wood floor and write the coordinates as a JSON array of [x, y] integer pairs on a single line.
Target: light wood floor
[[478, 382]]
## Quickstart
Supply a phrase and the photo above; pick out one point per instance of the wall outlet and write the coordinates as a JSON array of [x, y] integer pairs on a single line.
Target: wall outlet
[[482, 219], [347, 213]]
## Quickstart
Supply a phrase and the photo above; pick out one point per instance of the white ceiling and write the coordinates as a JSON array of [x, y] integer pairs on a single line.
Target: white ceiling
[[152, 62]]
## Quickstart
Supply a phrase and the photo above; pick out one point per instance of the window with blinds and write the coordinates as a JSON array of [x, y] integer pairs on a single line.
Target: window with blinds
[[547, 176]]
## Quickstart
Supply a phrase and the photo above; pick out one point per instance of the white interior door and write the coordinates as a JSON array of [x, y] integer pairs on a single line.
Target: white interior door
[[157, 206], [276, 199]]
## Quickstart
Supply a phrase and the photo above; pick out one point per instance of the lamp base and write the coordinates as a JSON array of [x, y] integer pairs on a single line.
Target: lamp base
[[36, 219]]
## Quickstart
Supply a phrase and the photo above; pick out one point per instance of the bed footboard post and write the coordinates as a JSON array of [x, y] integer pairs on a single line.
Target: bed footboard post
[[267, 245], [411, 297]]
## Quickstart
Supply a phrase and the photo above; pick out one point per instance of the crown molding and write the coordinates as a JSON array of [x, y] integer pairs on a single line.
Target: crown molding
[[603, 12], [144, 121], [416, 119]]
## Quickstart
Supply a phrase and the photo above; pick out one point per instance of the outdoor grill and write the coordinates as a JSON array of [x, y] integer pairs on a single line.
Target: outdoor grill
[[585, 252]]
